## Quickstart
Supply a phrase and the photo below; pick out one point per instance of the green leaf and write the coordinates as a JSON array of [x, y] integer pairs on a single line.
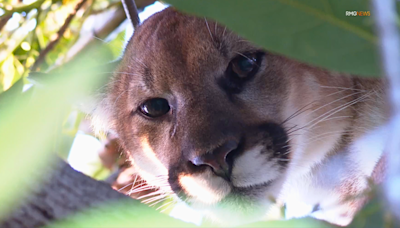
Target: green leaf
[[116, 45], [7, 73], [127, 213], [292, 223], [28, 124], [317, 32]]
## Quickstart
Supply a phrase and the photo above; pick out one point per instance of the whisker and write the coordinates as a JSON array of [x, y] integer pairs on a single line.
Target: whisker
[[341, 107], [157, 202], [331, 112], [139, 61], [167, 208], [327, 133], [97, 38], [164, 205], [153, 199], [241, 54], [208, 27], [150, 194], [343, 88], [334, 101], [126, 186], [298, 112]]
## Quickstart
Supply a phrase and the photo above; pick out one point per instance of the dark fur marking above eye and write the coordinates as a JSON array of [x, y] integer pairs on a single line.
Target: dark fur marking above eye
[[148, 77]]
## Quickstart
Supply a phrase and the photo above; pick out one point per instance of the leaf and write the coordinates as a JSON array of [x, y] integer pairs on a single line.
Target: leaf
[[120, 214], [313, 31], [116, 45], [292, 223], [7, 73], [27, 128], [9, 97]]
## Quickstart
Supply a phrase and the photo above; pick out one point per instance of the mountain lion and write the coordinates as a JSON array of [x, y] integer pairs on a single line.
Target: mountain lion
[[231, 129]]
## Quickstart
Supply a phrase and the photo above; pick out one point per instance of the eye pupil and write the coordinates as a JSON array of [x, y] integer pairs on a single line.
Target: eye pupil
[[245, 64], [155, 107], [241, 69]]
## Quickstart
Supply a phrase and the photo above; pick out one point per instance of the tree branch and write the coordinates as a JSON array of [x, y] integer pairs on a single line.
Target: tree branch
[[4, 20], [65, 192], [86, 42], [131, 12], [60, 34], [389, 38]]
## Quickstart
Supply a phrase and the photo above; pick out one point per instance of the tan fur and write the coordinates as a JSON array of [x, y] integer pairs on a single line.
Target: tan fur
[[181, 58]]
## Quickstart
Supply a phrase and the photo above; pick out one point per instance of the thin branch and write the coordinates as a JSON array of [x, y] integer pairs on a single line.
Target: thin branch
[[86, 42], [53, 200], [389, 37], [131, 12], [60, 34], [4, 20]]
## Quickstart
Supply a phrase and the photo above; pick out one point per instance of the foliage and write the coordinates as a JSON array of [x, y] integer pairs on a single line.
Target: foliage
[[36, 109], [314, 31]]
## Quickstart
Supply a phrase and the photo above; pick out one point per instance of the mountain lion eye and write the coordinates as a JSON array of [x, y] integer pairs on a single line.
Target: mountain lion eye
[[240, 70], [155, 107], [245, 65]]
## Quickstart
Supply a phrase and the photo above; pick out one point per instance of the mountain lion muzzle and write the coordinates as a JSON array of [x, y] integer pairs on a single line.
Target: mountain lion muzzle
[[231, 129]]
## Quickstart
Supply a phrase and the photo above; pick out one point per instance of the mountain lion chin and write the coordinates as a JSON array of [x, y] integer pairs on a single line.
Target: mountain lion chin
[[222, 203]]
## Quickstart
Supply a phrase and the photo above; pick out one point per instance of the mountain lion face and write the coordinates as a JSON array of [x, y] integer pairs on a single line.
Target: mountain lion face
[[217, 121]]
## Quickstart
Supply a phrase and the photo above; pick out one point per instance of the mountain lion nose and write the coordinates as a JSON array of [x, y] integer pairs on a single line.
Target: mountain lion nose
[[218, 159]]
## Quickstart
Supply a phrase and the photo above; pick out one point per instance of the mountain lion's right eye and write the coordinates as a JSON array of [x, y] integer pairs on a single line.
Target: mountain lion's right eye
[[155, 107]]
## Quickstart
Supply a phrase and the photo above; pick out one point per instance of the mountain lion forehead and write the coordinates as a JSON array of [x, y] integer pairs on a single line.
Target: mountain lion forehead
[[173, 31], [171, 44]]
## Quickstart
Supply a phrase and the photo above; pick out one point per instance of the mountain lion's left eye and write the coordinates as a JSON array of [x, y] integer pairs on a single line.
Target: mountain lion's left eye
[[155, 107], [244, 65]]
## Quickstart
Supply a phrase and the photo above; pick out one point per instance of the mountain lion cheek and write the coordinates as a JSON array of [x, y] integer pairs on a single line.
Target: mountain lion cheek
[[146, 160]]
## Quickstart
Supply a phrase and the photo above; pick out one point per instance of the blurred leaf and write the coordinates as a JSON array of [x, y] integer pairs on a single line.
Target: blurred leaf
[[15, 39], [314, 31], [116, 45], [293, 223], [41, 39], [19, 70], [375, 214], [71, 123], [7, 73], [67, 135], [27, 129], [120, 214], [12, 95]]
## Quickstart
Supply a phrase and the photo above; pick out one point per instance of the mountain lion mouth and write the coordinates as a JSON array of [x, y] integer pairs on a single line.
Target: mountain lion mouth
[[258, 161]]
